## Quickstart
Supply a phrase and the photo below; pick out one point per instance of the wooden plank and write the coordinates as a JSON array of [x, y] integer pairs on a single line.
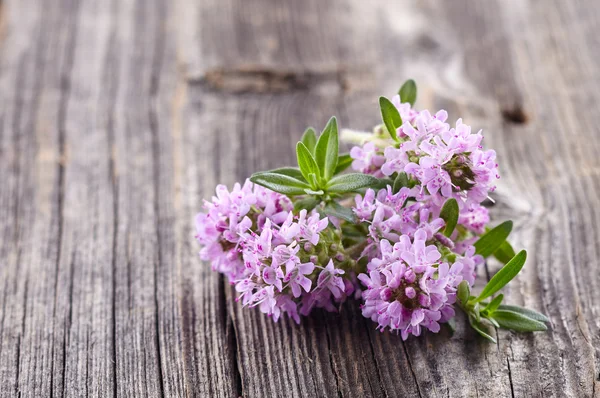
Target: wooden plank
[[119, 117], [31, 175], [465, 56]]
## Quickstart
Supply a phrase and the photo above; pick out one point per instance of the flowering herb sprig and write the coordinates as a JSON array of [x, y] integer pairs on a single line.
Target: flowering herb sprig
[[404, 233]]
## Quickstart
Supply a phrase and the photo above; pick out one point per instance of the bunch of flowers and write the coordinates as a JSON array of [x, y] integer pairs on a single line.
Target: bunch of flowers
[[405, 233]]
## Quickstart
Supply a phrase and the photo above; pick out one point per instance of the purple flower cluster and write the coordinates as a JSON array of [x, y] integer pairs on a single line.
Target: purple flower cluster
[[368, 159], [390, 217], [413, 268], [410, 286], [224, 225], [391, 247], [448, 162], [252, 236]]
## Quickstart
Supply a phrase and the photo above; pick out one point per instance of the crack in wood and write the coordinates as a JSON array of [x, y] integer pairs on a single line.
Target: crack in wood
[[332, 364], [231, 326], [412, 371], [510, 380], [263, 80], [379, 378]]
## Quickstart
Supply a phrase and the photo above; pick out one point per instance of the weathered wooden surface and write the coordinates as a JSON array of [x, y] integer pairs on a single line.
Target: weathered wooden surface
[[117, 117]]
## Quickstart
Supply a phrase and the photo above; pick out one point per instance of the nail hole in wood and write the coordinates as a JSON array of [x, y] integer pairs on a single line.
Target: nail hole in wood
[[514, 115]]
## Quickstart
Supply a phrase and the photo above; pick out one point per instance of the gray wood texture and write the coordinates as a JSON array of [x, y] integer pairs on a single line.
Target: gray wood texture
[[117, 117]]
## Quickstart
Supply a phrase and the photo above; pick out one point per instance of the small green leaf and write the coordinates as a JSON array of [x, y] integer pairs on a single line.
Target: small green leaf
[[493, 322], [280, 183], [525, 311], [390, 116], [314, 193], [505, 252], [505, 275], [351, 182], [494, 304], [307, 203], [481, 329], [309, 138], [307, 164], [326, 151], [518, 322], [293, 172], [400, 182], [339, 211], [493, 239], [476, 311], [344, 161], [463, 292], [449, 213], [313, 181], [408, 92]]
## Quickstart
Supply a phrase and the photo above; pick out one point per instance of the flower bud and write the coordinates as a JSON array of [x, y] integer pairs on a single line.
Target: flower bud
[[424, 300], [386, 294], [410, 276]]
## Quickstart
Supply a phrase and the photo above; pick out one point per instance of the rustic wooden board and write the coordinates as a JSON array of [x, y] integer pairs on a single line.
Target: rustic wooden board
[[119, 116]]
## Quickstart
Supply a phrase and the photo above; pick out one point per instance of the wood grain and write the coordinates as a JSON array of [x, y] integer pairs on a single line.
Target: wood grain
[[119, 117]]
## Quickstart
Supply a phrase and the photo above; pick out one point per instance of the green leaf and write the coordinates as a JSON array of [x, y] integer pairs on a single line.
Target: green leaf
[[476, 312], [481, 329], [314, 193], [449, 213], [400, 182], [326, 151], [344, 161], [307, 164], [307, 203], [505, 252], [351, 182], [518, 322], [313, 181], [339, 211], [293, 172], [493, 322], [505, 275], [493, 239], [494, 304], [408, 92], [463, 292], [525, 311], [309, 138], [280, 183], [390, 116]]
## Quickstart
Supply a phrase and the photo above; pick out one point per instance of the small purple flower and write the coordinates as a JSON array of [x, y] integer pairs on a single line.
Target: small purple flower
[[297, 278], [311, 227], [286, 255], [408, 288], [329, 279], [407, 114], [475, 218], [368, 159], [365, 206]]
